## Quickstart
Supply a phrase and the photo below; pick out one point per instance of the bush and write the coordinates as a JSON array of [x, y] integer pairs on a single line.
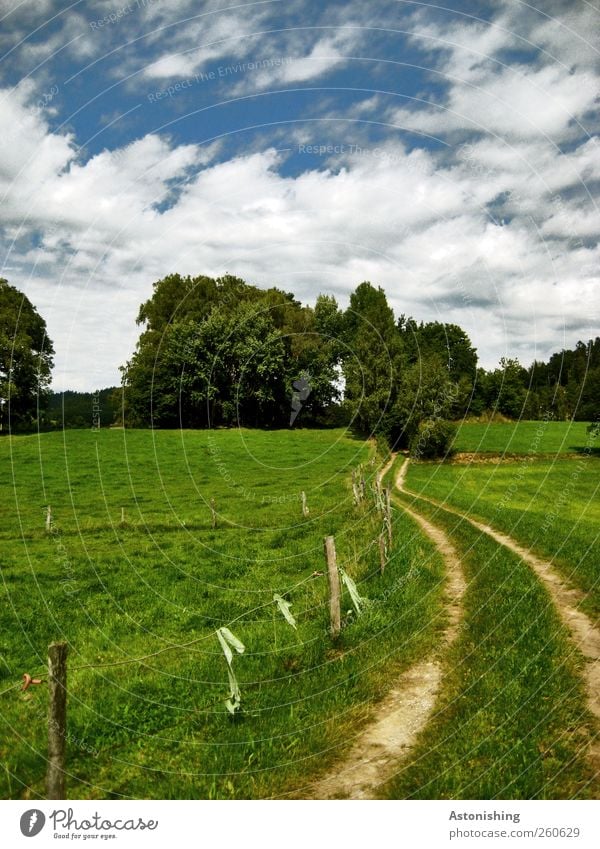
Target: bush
[[433, 438]]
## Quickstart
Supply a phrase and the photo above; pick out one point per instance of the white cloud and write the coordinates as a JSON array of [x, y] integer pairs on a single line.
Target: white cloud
[[499, 234], [324, 55], [31, 155], [491, 94], [399, 219], [247, 36], [517, 102], [205, 40]]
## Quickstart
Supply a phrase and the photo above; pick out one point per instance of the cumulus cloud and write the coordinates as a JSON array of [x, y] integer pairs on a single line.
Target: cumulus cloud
[[496, 229], [488, 92], [31, 154], [325, 228]]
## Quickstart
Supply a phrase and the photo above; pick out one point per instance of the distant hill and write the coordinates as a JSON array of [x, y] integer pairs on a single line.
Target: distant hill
[[83, 409]]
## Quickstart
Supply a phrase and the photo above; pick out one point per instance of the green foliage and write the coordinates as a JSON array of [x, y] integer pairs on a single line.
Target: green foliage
[[566, 387], [232, 366], [222, 352], [225, 353], [448, 342], [433, 438], [78, 409], [426, 394], [26, 359], [372, 361], [176, 297], [504, 389], [401, 377]]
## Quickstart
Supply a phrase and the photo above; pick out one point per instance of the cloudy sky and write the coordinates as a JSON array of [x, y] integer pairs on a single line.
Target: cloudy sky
[[450, 155]]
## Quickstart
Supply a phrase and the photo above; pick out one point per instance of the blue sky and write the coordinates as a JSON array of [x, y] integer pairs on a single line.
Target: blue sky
[[448, 154]]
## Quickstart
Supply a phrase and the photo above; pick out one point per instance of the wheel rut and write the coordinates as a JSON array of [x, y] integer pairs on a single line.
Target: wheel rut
[[381, 747], [584, 633]]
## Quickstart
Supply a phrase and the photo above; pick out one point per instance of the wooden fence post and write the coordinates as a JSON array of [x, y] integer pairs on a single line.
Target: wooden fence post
[[388, 513], [305, 510], [48, 519], [57, 720], [333, 578], [382, 553], [378, 496]]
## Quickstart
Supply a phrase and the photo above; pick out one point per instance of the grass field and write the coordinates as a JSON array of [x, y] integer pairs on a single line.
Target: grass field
[[522, 437], [159, 728], [552, 506], [139, 602]]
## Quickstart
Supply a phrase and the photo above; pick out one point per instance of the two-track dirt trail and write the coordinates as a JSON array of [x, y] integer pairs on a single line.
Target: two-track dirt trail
[[379, 749], [584, 634]]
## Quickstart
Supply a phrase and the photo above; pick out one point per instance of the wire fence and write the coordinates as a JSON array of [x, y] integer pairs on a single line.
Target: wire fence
[[229, 643], [356, 475]]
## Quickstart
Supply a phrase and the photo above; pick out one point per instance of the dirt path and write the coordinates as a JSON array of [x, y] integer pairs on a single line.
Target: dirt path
[[585, 635], [379, 749]]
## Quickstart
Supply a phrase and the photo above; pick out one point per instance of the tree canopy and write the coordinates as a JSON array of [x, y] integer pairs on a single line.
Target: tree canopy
[[225, 353], [26, 358], [219, 351]]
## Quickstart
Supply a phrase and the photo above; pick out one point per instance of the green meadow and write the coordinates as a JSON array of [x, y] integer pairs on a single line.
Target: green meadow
[[136, 572], [117, 591], [522, 437]]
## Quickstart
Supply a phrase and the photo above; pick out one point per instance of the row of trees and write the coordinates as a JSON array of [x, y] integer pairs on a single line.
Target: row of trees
[[220, 351], [566, 387], [223, 352]]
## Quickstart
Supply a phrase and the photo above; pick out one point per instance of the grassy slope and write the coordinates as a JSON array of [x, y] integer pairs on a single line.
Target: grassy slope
[[511, 721], [159, 729], [521, 437], [551, 506]]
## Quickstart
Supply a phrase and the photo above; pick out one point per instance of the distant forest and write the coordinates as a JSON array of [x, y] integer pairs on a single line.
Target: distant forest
[[221, 352], [83, 409]]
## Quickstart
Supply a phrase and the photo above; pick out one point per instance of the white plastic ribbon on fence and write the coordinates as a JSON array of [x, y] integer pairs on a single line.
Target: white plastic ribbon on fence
[[235, 697], [357, 600], [229, 641], [284, 606]]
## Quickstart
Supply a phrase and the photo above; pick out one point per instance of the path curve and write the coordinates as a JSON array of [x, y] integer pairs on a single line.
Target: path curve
[[584, 633], [401, 716]]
